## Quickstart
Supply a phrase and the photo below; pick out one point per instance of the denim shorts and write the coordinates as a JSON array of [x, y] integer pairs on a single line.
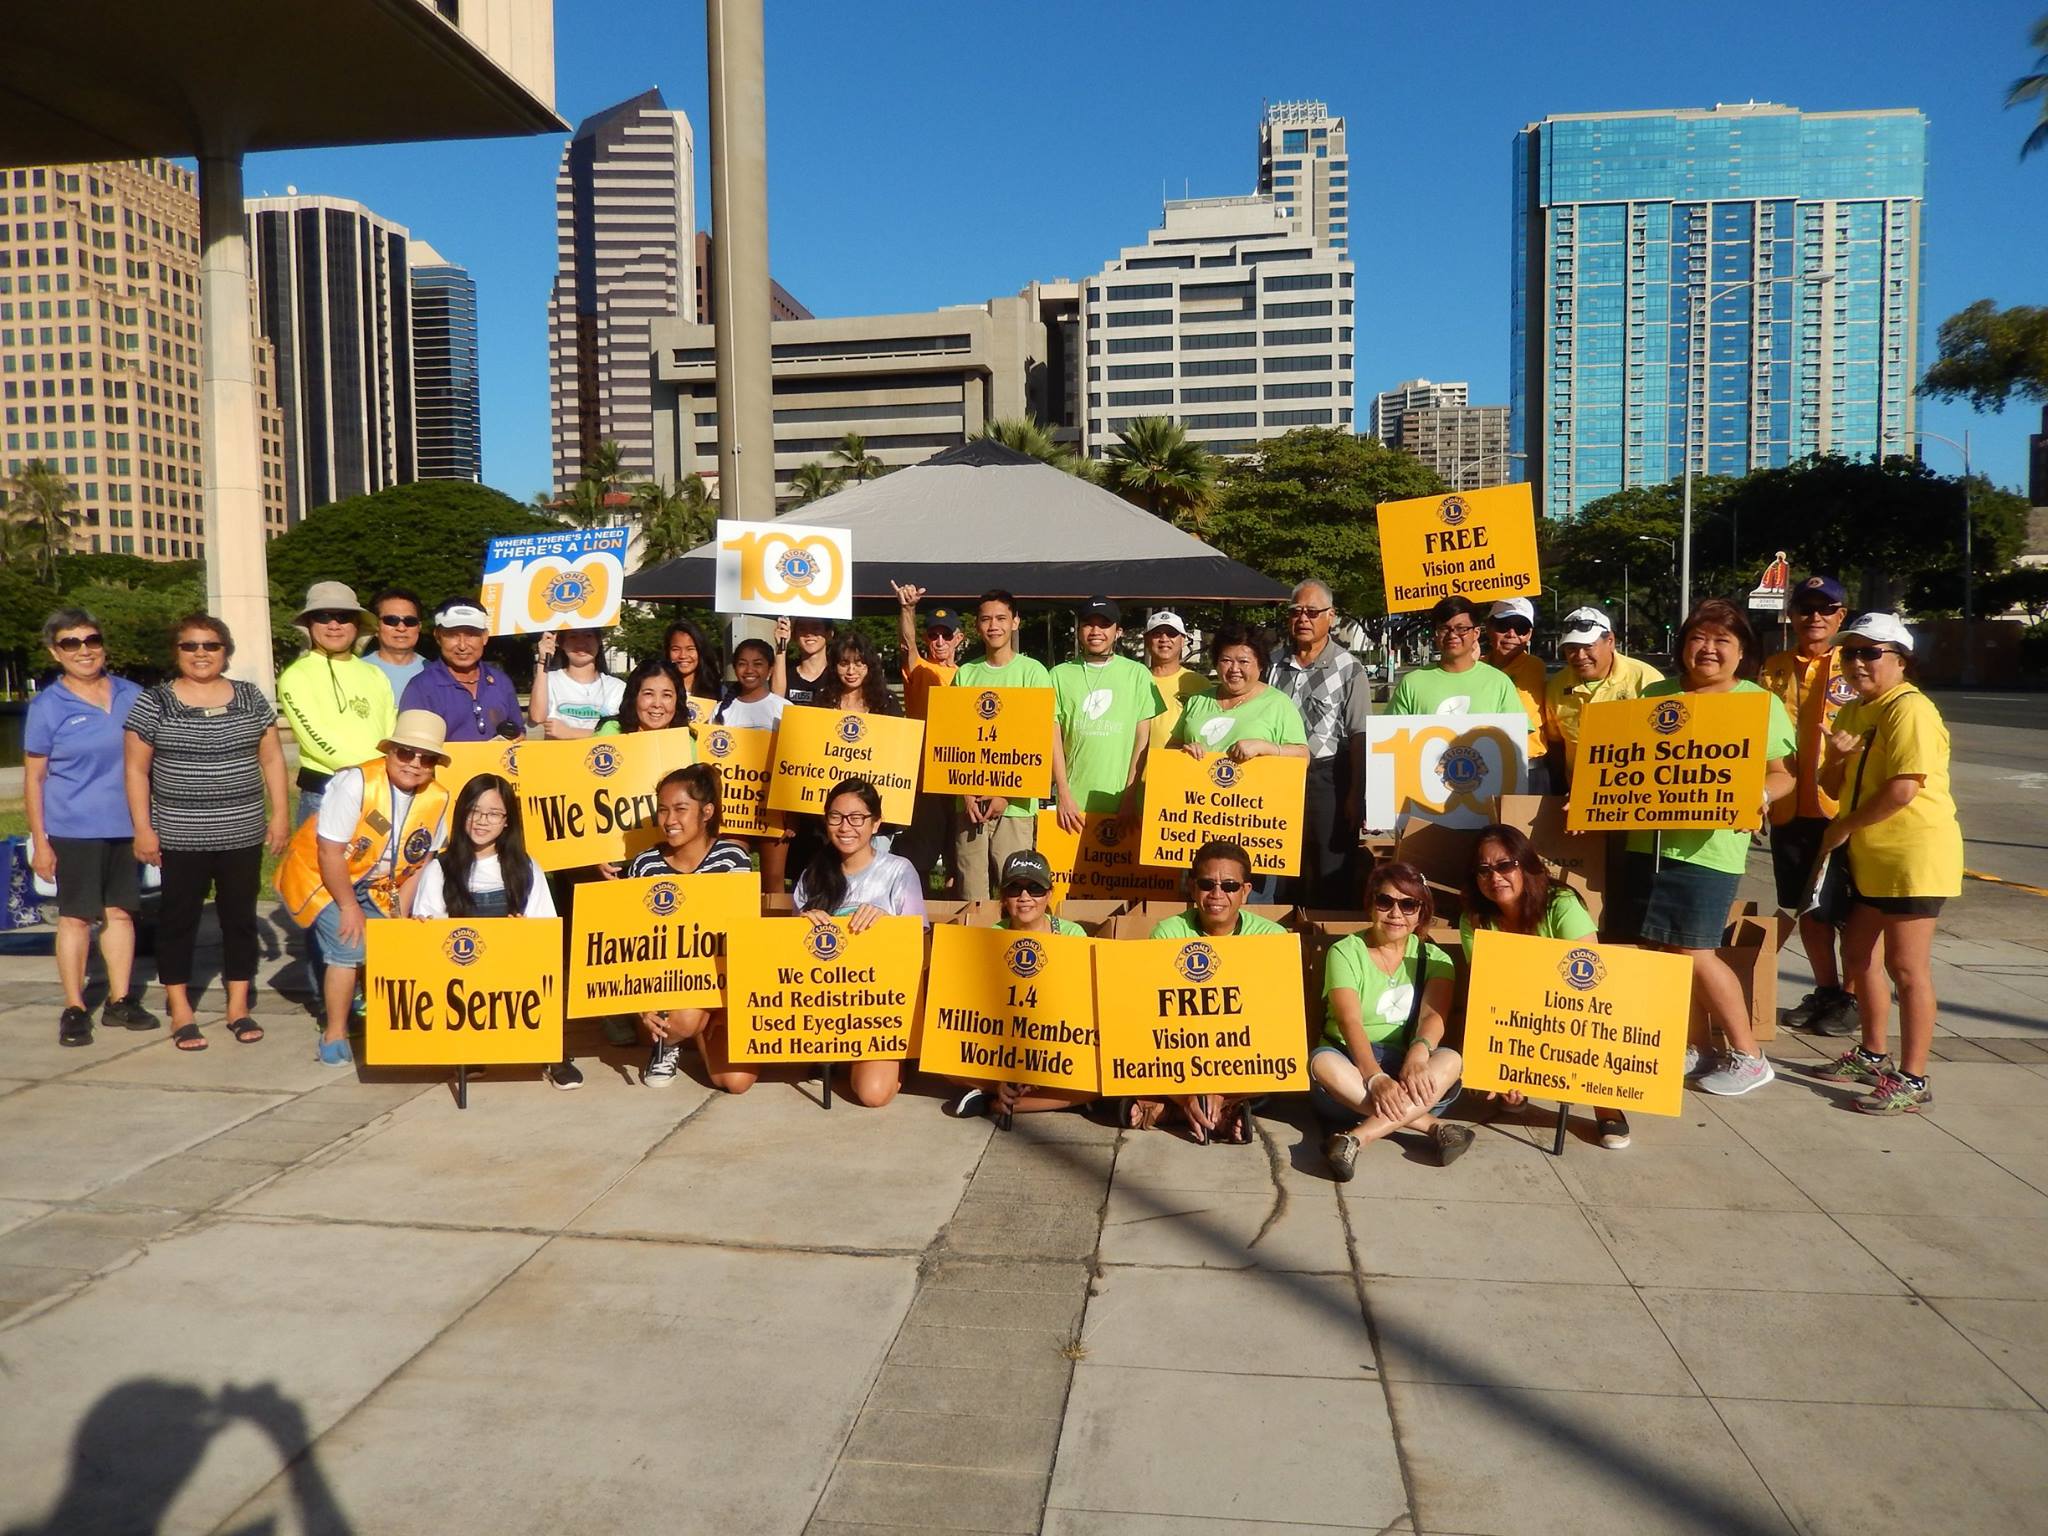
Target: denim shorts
[[1332, 1113], [1676, 903], [327, 928]]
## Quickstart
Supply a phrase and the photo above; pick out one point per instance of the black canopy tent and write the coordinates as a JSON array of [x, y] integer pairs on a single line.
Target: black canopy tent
[[981, 516]]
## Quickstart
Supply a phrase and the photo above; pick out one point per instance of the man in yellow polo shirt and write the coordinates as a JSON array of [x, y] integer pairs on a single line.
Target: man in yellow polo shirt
[[1510, 626], [1594, 672]]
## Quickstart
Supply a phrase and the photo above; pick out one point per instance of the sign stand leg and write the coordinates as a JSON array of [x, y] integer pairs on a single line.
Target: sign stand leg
[[1564, 1112], [462, 1087], [825, 1076]]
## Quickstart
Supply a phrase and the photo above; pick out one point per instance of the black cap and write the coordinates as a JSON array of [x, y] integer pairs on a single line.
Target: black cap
[[1100, 608], [943, 618], [1027, 866]]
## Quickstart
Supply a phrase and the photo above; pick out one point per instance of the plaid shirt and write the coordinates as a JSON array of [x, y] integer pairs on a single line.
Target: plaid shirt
[[1332, 693]]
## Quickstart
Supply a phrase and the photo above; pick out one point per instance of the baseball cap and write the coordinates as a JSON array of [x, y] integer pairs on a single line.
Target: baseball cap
[[943, 618], [1884, 628], [1582, 626], [1100, 608], [1165, 618], [1514, 608], [1825, 588], [462, 615], [1026, 867]]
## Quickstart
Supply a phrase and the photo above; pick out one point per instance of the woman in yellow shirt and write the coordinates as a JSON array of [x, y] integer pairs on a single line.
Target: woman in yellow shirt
[[1887, 763]]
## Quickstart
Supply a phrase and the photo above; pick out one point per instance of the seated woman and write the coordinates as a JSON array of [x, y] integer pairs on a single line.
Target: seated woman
[[1026, 883], [1508, 888], [849, 879], [1219, 884], [1382, 1066]]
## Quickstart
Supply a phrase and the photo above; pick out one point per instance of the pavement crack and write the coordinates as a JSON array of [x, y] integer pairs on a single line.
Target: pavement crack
[[1275, 1167]]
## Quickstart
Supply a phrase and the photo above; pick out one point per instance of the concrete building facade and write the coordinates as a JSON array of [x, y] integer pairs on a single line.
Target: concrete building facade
[[446, 384], [1390, 405], [100, 341], [1304, 168], [1225, 320], [625, 214], [1467, 445]]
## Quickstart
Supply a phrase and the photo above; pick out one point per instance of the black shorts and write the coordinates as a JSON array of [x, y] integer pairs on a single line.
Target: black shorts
[[1897, 906], [1795, 845], [95, 873]]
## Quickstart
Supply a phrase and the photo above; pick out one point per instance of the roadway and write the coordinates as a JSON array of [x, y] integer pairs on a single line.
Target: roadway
[[1999, 767]]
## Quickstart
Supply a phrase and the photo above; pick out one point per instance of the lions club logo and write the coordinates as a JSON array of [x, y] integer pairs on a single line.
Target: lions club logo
[[1581, 968], [989, 705], [464, 946], [798, 567], [1452, 511], [1197, 962], [693, 710], [1668, 716], [418, 844], [824, 942], [719, 743], [852, 728], [508, 760], [602, 760], [1223, 773], [1840, 693], [1026, 958], [566, 591], [1109, 832], [663, 897], [1463, 768]]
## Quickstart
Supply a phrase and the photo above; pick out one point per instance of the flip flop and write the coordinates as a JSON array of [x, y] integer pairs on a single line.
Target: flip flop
[[186, 1037], [245, 1030]]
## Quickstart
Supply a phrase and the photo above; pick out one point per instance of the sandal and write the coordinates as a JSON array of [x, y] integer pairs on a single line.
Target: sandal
[[1134, 1117], [186, 1037], [245, 1030], [1237, 1130]]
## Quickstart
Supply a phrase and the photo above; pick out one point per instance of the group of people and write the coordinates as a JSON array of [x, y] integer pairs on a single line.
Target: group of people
[[190, 776]]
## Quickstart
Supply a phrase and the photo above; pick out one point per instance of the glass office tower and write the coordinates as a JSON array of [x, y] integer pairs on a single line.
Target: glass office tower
[[1741, 283]]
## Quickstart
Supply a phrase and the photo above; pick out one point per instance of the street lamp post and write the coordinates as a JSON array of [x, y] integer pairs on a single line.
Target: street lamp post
[[1969, 677], [1670, 544]]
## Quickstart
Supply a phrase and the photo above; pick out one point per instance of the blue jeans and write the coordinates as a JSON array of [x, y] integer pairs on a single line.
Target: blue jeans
[[327, 928]]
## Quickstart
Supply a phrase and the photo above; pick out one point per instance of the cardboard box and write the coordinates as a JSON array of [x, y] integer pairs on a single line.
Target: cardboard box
[[945, 909], [777, 904], [1095, 916], [1581, 857], [1750, 948], [1443, 854]]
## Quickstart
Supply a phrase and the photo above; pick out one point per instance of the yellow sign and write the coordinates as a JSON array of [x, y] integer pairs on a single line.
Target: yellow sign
[[989, 741], [1190, 800], [467, 759], [1577, 1023], [1200, 1015], [700, 712], [463, 992], [1677, 760], [570, 579], [802, 991], [592, 801], [1476, 544], [655, 943], [744, 758], [1011, 1008], [1100, 862], [816, 748], [784, 568], [1445, 768]]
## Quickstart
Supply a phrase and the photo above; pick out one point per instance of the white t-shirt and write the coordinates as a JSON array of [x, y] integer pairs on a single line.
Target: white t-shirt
[[761, 715], [430, 897], [341, 812], [889, 884], [584, 704]]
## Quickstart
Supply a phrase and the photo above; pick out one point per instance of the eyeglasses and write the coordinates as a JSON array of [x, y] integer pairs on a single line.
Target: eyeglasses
[[1821, 608], [853, 819], [487, 817], [1301, 612], [72, 643], [1501, 867], [1407, 906], [1227, 887], [1514, 626], [209, 646], [414, 755], [1867, 653], [1018, 892], [399, 620], [333, 616], [1457, 631]]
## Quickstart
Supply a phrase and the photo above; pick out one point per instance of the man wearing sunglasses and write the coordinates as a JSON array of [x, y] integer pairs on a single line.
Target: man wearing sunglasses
[[475, 701], [1330, 688], [338, 705], [1809, 679], [1510, 627], [1460, 683], [395, 648], [1594, 672]]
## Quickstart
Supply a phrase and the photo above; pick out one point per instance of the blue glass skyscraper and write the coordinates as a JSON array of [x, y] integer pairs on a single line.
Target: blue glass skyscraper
[[446, 391], [1743, 282]]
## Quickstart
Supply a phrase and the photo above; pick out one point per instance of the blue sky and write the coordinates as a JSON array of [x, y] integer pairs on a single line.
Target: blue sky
[[927, 153]]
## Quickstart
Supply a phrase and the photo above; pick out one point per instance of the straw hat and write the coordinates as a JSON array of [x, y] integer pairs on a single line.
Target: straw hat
[[421, 729]]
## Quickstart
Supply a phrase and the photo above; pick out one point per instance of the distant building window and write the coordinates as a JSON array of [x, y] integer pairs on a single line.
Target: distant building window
[[1283, 282], [1293, 141], [1137, 344], [1210, 367], [1140, 397], [1219, 394], [1219, 341], [1141, 317], [1141, 291], [1298, 418], [1308, 336], [1313, 363], [1222, 419], [1299, 309], [1137, 371]]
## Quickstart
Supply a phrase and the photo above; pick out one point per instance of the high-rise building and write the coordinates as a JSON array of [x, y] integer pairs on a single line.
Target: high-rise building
[[1467, 445], [446, 402], [2037, 463], [334, 297], [1390, 405], [1225, 320], [1740, 286], [100, 352], [782, 304], [1303, 167], [625, 208]]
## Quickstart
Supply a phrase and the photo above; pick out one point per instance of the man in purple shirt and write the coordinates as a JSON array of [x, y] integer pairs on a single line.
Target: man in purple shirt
[[476, 700]]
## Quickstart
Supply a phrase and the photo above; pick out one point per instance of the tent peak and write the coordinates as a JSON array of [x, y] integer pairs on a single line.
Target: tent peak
[[977, 453]]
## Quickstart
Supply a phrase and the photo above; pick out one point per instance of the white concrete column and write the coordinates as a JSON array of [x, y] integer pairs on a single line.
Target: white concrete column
[[231, 460]]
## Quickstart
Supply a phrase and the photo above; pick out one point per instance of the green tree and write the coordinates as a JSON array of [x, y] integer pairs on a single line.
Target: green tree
[[606, 467], [137, 619], [2032, 90], [674, 519], [1303, 506], [1155, 466], [1991, 355], [1026, 436], [24, 603], [39, 517], [855, 462], [1623, 548], [811, 482], [2024, 587]]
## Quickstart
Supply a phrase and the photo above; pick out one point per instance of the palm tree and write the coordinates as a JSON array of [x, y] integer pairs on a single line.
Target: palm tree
[[39, 522], [674, 519], [1154, 465], [2034, 88], [1030, 437], [810, 482], [583, 507], [606, 465], [859, 464]]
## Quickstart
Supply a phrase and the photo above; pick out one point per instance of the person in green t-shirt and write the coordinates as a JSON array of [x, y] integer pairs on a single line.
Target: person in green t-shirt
[[1103, 706], [1026, 886], [1241, 715], [1219, 884], [987, 829], [1382, 1065], [1680, 885], [1460, 683]]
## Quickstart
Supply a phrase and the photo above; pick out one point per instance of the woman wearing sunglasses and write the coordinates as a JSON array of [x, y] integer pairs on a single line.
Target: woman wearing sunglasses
[[1888, 762], [1382, 1065], [206, 788], [75, 788], [1219, 884], [848, 878], [1509, 889]]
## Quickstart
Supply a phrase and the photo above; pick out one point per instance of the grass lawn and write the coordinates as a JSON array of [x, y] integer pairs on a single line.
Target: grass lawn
[[13, 819]]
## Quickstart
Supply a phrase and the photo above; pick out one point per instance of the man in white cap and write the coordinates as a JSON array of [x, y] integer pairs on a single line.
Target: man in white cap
[[1166, 654], [473, 699], [338, 705], [1510, 626], [1594, 672]]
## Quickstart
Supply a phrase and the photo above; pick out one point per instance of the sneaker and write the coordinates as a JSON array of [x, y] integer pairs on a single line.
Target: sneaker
[[336, 1053], [1853, 1067], [966, 1104], [620, 1030], [564, 1075], [127, 1013], [1738, 1074], [1613, 1127], [1697, 1061], [1839, 1018], [1452, 1142], [661, 1066], [1340, 1151], [1893, 1095], [1820, 1000], [74, 1027]]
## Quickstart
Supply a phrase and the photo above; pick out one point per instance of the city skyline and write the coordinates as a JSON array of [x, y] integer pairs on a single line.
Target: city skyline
[[918, 221]]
